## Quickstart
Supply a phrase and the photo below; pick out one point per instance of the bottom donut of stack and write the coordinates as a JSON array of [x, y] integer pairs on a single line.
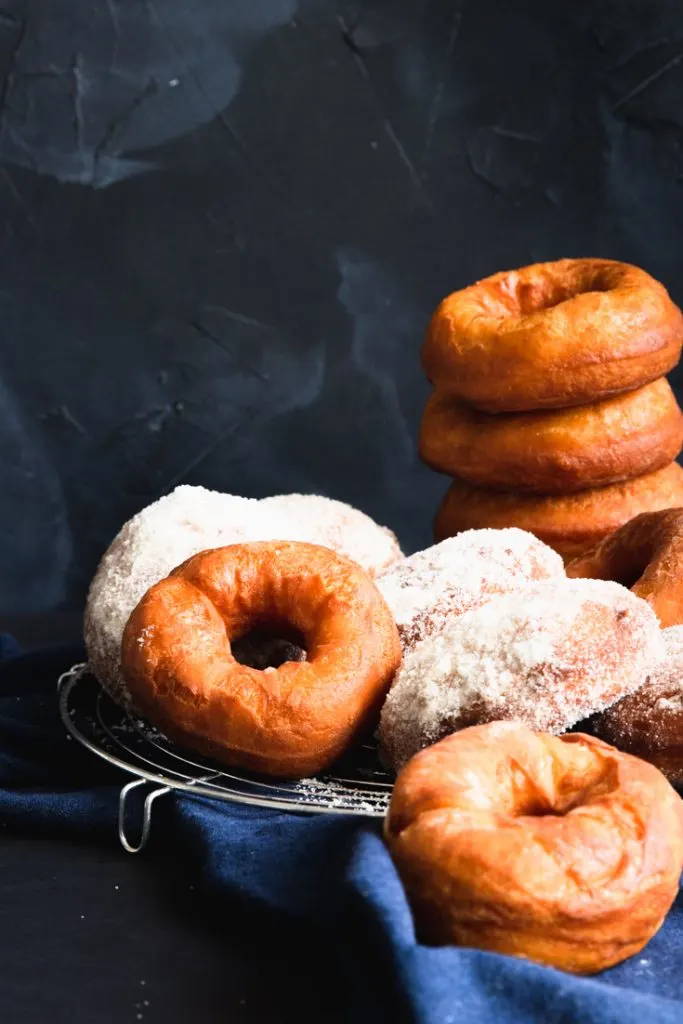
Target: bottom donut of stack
[[568, 523]]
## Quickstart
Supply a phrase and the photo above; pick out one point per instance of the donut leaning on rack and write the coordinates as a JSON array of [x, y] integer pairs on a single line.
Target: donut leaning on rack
[[289, 721]]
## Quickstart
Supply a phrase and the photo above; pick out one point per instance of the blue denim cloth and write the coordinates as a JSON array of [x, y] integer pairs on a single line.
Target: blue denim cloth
[[330, 876]]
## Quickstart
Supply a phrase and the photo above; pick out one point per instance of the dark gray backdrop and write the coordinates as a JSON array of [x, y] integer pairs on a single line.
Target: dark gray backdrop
[[224, 224]]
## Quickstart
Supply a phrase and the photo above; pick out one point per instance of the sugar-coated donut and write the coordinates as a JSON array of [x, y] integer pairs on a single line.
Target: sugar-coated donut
[[568, 523], [549, 655], [559, 850], [288, 721], [338, 526], [649, 722], [427, 589], [553, 335], [645, 554], [554, 451], [192, 519]]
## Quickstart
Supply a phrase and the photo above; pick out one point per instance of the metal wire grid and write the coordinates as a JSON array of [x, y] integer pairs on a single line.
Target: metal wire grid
[[357, 786]]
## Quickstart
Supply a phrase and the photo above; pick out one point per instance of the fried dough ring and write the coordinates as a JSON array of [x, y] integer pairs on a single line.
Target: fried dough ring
[[553, 335], [570, 524], [646, 554], [554, 452], [288, 721], [559, 850], [649, 722], [548, 654], [192, 519]]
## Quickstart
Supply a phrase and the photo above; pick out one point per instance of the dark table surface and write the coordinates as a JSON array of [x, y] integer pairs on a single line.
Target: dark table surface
[[90, 933]]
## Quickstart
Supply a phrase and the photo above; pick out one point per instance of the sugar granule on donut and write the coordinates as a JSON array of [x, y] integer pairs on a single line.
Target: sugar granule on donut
[[338, 526], [463, 572], [145, 550], [547, 655], [193, 519], [649, 722]]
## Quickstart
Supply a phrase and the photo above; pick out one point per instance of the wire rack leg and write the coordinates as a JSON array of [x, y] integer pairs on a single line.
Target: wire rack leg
[[132, 847]]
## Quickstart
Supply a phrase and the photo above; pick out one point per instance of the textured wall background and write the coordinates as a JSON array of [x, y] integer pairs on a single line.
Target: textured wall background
[[224, 223]]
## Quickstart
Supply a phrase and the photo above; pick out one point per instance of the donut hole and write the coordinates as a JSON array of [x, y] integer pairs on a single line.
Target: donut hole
[[519, 296], [264, 647], [534, 297], [575, 785], [627, 570], [628, 576]]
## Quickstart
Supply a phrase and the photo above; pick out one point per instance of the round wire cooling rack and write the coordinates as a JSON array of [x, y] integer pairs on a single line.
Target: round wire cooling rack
[[357, 784]]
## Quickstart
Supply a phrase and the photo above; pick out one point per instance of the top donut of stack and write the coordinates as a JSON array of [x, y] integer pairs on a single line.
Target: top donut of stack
[[553, 335]]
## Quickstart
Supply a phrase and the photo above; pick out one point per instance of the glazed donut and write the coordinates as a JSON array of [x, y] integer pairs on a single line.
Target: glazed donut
[[645, 554], [560, 850], [427, 589], [549, 655], [554, 452], [553, 335], [649, 723], [568, 523], [289, 721], [192, 519]]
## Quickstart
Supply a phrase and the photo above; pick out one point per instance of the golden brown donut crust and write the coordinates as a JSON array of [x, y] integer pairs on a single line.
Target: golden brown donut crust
[[288, 721], [568, 523], [646, 554], [553, 335], [554, 452], [649, 722], [560, 850]]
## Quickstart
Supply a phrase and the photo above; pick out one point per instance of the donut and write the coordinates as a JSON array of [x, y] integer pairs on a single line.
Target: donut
[[645, 554], [649, 722], [192, 519], [289, 721], [549, 654], [463, 572], [554, 452], [563, 850], [338, 526], [568, 523], [552, 335]]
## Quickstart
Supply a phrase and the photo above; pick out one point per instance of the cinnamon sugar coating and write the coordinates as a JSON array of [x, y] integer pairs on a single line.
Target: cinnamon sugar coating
[[649, 722], [548, 655], [427, 589]]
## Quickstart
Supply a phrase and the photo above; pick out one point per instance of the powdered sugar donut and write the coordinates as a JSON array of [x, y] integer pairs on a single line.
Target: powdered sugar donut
[[463, 572], [649, 723], [548, 655], [192, 519], [333, 524]]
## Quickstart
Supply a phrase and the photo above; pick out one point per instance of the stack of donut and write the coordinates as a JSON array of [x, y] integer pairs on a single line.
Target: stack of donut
[[550, 410]]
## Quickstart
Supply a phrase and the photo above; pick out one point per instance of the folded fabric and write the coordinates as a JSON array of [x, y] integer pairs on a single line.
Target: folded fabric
[[331, 873]]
